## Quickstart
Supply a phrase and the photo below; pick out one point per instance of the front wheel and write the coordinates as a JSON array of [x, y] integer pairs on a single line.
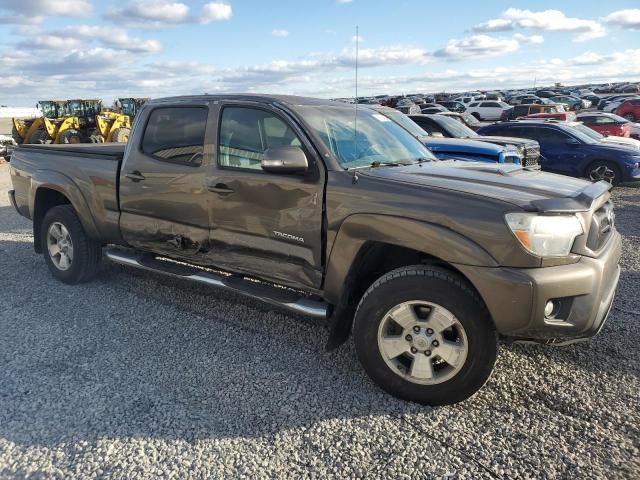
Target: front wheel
[[606, 171], [422, 334]]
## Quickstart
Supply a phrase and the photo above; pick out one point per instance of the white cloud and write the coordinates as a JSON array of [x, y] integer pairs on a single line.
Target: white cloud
[[156, 14], [278, 32], [628, 18], [494, 25], [477, 46], [357, 39], [214, 11], [80, 36], [546, 21], [343, 1], [531, 39], [34, 11]]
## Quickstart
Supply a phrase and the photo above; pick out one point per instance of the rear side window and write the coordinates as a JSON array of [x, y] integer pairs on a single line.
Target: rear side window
[[176, 134], [247, 133], [474, 104]]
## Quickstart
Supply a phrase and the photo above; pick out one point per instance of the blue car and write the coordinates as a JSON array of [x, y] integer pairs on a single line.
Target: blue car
[[570, 148], [454, 148]]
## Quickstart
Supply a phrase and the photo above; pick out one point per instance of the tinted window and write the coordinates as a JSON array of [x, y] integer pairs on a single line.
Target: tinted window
[[474, 104], [246, 133], [544, 136], [176, 134], [491, 104]]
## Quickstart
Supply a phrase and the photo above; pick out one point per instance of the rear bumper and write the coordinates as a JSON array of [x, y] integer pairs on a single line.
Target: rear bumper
[[583, 293]]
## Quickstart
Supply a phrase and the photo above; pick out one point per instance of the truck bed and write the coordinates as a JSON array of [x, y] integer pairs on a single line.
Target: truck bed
[[87, 174]]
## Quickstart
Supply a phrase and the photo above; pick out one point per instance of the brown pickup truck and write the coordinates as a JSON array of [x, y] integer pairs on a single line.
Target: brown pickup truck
[[336, 212]]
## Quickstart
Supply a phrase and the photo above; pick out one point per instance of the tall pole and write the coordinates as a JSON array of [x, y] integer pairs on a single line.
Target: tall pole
[[355, 121]]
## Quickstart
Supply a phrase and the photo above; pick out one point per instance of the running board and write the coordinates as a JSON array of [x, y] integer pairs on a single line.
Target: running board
[[279, 297]]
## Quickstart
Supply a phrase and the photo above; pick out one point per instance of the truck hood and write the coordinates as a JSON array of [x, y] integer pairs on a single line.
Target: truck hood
[[458, 145], [532, 190]]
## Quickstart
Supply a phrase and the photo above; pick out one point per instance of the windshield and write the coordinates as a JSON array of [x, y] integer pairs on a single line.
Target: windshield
[[405, 122], [49, 110], [373, 138], [586, 134], [74, 108], [470, 119], [456, 128]]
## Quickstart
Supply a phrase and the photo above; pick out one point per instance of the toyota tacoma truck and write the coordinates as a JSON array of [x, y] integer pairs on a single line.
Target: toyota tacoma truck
[[335, 212]]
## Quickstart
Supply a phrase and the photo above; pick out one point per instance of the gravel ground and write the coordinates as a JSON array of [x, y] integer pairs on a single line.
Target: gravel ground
[[140, 376]]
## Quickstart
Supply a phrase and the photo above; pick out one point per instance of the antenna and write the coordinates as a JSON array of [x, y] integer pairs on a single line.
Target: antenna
[[355, 122]]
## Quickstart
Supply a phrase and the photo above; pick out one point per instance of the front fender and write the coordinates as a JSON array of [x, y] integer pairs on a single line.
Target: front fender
[[66, 186], [428, 238]]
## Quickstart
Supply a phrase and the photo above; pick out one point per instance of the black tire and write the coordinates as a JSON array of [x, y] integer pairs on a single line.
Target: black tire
[[40, 136], [87, 253], [16, 136], [598, 169], [121, 135], [477, 115], [437, 286], [71, 136], [630, 116], [96, 139]]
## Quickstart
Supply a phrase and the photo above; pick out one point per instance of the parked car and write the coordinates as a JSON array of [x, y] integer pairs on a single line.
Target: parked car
[[630, 109], [518, 111], [609, 140], [545, 93], [574, 103], [606, 103], [524, 99], [564, 116], [565, 148], [630, 89], [438, 109], [407, 106], [427, 263], [487, 109], [465, 100], [448, 127], [453, 106], [469, 120], [450, 148], [606, 123]]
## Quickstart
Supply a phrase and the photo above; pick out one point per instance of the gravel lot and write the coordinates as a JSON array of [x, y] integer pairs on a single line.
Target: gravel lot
[[139, 376]]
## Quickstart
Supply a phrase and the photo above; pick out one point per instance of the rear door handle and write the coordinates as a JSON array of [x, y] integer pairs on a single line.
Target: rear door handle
[[220, 188], [135, 176]]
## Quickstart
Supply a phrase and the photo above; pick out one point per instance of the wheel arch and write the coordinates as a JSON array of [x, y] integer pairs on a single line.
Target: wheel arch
[[50, 189], [368, 246]]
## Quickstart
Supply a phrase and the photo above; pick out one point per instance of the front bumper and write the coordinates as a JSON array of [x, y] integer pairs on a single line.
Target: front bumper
[[584, 292]]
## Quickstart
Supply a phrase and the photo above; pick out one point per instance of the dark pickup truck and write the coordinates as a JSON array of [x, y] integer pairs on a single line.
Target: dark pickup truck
[[335, 212]]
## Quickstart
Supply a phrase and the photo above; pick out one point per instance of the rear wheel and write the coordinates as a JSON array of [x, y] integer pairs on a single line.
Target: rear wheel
[[70, 136], [40, 136], [423, 335], [72, 257], [630, 116], [120, 135], [16, 136], [603, 170]]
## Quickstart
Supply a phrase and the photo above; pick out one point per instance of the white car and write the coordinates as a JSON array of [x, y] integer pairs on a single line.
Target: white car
[[466, 100], [487, 110]]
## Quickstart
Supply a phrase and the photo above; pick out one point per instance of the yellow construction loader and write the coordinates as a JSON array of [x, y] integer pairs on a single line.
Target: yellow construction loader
[[115, 126], [79, 124], [39, 129]]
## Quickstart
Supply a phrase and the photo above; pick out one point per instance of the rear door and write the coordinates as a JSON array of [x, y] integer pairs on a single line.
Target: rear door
[[164, 201], [265, 224], [555, 153]]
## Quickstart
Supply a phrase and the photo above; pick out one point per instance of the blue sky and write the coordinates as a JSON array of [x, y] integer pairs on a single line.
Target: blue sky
[[71, 48]]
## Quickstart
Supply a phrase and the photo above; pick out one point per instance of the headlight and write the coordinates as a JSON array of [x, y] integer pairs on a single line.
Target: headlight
[[545, 235]]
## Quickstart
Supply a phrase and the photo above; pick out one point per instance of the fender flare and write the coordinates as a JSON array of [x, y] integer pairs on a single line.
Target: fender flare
[[66, 186], [428, 238]]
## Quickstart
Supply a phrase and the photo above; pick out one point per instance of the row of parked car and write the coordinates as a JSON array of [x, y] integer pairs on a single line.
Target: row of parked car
[[594, 145]]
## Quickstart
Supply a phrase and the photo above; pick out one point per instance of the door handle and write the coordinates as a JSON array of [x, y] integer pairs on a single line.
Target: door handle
[[220, 188], [135, 176]]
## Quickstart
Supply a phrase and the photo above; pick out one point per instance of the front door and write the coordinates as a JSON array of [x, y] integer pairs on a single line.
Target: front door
[[265, 224], [164, 201]]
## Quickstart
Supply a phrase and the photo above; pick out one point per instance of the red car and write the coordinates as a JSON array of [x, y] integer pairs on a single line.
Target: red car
[[607, 124], [630, 110]]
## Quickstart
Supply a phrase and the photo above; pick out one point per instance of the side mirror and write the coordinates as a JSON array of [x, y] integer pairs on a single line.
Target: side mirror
[[287, 159], [572, 141]]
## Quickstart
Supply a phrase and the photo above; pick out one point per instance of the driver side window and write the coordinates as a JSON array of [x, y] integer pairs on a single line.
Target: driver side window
[[247, 133]]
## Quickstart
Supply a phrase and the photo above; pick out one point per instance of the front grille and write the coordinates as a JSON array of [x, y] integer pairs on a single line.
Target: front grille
[[602, 224], [531, 155]]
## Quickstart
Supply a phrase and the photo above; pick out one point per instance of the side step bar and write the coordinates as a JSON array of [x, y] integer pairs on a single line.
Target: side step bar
[[279, 297]]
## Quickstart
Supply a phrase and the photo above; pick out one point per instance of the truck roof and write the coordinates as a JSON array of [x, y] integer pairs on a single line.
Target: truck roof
[[254, 97]]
